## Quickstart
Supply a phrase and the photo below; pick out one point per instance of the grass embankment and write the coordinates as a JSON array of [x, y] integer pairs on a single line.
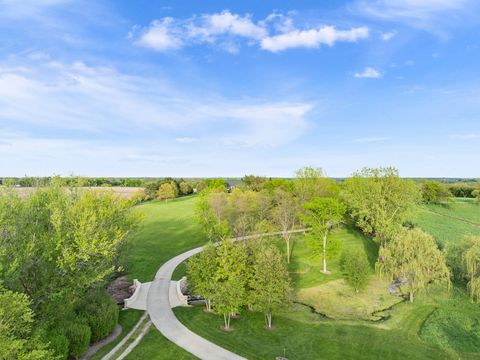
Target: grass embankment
[[167, 229]]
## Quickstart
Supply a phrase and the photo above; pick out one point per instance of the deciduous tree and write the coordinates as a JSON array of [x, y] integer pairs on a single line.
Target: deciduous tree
[[270, 283], [379, 200], [412, 256], [321, 216]]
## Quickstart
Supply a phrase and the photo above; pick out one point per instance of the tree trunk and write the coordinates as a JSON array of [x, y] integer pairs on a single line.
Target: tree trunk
[[288, 250], [226, 320], [208, 304], [268, 318], [411, 296], [324, 254]]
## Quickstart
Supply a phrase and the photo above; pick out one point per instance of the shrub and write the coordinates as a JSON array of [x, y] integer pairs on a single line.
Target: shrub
[[100, 312], [58, 342], [78, 334], [356, 268]]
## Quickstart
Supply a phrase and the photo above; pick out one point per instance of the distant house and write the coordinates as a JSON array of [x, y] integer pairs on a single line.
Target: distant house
[[232, 184]]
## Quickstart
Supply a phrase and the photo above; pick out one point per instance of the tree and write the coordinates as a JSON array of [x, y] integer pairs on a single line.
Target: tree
[[434, 192], [285, 216], [464, 259], [58, 242], [253, 182], [16, 320], [230, 277], [167, 191], [379, 201], [270, 283], [413, 257], [201, 274], [476, 194], [356, 268], [185, 188], [211, 213], [321, 216], [312, 182]]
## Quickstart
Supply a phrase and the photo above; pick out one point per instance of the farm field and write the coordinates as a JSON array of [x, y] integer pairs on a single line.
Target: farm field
[[449, 223], [414, 331]]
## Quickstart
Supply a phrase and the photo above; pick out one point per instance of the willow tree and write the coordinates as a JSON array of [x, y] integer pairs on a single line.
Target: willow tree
[[379, 200], [321, 215], [413, 258], [464, 259]]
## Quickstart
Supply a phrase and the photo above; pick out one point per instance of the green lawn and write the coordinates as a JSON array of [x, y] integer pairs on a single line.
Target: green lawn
[[167, 229], [444, 222], [413, 331]]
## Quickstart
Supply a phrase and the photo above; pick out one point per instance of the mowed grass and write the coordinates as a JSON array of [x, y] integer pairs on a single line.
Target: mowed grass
[[337, 300], [167, 229], [306, 271], [307, 339], [445, 223]]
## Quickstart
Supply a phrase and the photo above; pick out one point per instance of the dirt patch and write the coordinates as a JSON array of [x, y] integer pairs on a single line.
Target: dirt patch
[[120, 289]]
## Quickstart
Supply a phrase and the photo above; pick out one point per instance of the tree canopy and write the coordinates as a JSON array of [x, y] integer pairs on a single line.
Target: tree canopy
[[413, 258]]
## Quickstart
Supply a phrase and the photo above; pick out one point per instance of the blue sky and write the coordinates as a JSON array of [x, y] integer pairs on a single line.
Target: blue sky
[[227, 88]]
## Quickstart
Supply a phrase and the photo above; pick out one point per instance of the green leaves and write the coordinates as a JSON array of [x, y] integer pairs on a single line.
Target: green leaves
[[413, 257]]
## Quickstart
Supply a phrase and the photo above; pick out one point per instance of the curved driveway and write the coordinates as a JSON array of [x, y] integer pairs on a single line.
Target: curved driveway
[[162, 316]]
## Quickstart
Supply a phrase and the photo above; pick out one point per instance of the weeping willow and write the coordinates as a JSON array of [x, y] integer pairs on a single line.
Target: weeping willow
[[472, 263]]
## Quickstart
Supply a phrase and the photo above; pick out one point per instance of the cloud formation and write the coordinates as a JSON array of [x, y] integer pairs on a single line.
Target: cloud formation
[[275, 33], [369, 73]]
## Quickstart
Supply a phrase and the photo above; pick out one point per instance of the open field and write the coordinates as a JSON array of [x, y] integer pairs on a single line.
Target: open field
[[449, 223], [167, 230]]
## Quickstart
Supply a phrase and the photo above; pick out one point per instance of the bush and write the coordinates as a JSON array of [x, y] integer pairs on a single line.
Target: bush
[[58, 342], [100, 312], [356, 268], [78, 334]]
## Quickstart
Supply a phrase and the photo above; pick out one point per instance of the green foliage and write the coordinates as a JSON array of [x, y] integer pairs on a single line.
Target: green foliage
[[379, 201], [100, 312], [463, 190], [201, 272], [273, 184], [78, 335], [270, 282], [321, 215], [216, 184], [435, 192], [58, 342], [252, 182], [284, 215], [464, 259], [230, 277], [167, 191], [16, 320], [413, 257], [310, 182], [185, 188], [57, 242], [356, 268]]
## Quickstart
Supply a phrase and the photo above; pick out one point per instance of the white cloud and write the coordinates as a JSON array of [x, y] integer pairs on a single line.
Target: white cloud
[[313, 38], [371, 139], [389, 35], [98, 101], [369, 73], [161, 35], [275, 33]]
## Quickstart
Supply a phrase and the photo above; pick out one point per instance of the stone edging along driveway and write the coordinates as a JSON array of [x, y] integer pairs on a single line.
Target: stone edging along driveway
[[162, 316]]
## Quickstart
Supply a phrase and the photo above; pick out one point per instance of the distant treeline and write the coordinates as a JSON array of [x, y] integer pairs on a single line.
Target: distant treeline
[[458, 187]]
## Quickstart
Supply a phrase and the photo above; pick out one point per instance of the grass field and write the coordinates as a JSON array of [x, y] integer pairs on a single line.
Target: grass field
[[412, 331], [449, 223], [167, 230]]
